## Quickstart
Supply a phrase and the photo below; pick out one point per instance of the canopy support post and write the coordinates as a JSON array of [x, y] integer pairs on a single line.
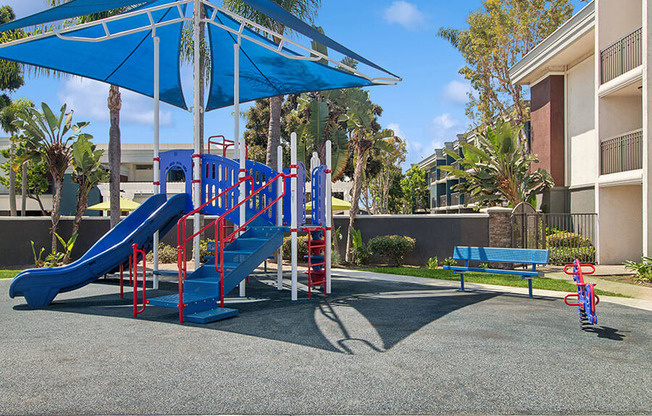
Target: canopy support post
[[329, 215], [294, 214], [279, 217], [156, 160], [197, 108], [241, 145]]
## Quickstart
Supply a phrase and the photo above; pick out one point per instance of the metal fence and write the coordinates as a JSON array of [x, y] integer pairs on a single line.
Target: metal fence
[[621, 56], [622, 153], [566, 236]]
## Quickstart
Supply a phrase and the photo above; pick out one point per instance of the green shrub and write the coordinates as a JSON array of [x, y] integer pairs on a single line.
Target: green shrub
[[433, 263], [449, 261], [166, 254], [360, 254], [560, 256], [394, 248], [302, 247], [642, 269], [203, 248], [483, 265], [566, 239]]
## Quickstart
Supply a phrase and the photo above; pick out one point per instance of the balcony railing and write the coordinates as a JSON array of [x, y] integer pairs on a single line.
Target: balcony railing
[[442, 200], [455, 198], [621, 56], [622, 153]]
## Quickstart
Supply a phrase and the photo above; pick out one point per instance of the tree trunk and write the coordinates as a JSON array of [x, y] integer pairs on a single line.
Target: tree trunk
[[114, 103], [12, 179], [360, 161], [274, 132], [56, 206], [23, 191], [82, 204]]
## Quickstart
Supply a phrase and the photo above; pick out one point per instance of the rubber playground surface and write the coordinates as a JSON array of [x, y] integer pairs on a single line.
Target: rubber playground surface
[[376, 346]]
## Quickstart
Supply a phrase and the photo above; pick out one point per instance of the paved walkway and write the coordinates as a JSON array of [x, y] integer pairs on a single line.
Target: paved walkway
[[379, 345]]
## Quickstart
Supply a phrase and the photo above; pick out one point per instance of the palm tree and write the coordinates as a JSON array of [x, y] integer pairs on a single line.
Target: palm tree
[[497, 169], [365, 135], [47, 137], [303, 9]]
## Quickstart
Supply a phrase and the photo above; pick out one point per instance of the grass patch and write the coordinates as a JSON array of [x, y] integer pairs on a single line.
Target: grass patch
[[8, 274], [542, 283]]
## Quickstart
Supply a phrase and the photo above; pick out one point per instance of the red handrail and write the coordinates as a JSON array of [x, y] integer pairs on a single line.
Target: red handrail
[[138, 251], [220, 222], [225, 145]]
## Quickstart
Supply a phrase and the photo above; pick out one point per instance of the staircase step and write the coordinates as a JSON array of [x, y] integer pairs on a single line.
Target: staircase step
[[172, 301], [210, 315], [166, 272]]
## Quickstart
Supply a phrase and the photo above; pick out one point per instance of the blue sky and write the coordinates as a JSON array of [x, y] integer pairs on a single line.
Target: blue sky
[[425, 109]]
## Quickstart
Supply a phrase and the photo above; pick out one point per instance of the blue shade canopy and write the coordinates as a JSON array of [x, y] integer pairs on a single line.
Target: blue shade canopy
[[69, 10], [279, 14], [264, 73], [126, 61]]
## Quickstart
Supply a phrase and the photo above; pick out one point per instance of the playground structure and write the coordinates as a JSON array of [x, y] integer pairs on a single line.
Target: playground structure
[[587, 300], [273, 202]]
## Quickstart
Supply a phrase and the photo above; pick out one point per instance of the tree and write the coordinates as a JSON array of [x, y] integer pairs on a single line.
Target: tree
[[497, 169], [87, 173], [498, 36], [305, 10], [33, 176], [47, 137], [365, 135], [415, 190], [377, 186], [7, 119]]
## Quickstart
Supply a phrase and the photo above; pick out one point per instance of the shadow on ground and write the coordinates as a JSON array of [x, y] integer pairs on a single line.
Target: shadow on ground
[[360, 315]]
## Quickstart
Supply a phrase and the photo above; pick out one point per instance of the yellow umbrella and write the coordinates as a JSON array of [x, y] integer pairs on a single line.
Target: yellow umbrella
[[338, 205], [125, 205]]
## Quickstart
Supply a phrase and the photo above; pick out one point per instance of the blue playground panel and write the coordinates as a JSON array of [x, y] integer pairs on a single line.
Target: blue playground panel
[[318, 184]]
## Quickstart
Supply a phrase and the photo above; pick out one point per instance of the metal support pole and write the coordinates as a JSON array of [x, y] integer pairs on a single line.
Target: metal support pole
[[279, 218], [241, 145], [329, 215], [157, 164], [197, 108], [293, 210]]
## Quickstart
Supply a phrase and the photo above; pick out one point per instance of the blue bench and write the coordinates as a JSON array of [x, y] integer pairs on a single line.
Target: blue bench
[[499, 255]]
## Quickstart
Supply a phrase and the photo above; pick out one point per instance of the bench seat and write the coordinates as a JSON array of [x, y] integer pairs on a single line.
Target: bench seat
[[530, 257]]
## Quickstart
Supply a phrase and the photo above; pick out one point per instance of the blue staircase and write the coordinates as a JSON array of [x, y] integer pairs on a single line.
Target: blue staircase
[[202, 289]]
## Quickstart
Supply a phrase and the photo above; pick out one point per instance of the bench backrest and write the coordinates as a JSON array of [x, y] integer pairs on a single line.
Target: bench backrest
[[502, 255]]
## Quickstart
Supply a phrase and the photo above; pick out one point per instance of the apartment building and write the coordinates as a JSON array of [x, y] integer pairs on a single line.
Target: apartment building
[[590, 92]]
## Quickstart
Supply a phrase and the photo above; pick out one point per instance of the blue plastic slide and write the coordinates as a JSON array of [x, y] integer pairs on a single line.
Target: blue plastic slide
[[40, 286]]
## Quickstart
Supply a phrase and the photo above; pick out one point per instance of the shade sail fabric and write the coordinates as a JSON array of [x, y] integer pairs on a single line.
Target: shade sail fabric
[[264, 73], [125, 205], [69, 10], [126, 61], [279, 14]]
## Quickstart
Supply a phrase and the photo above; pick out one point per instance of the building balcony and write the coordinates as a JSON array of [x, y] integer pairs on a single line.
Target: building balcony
[[621, 56], [622, 153], [455, 199], [442, 200]]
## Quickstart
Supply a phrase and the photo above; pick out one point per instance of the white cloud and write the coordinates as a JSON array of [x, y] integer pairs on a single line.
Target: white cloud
[[457, 91], [89, 100], [444, 123], [406, 14]]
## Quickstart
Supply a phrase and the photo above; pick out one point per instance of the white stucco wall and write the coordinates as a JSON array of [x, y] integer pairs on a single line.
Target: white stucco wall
[[582, 160], [620, 115], [617, 18], [621, 224]]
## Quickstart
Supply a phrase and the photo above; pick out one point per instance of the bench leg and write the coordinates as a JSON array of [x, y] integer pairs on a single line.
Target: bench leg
[[529, 286], [462, 281]]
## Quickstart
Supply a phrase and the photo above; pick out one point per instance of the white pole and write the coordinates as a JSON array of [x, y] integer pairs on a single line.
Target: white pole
[[197, 108], [157, 164], [279, 218], [329, 209], [241, 146], [293, 209]]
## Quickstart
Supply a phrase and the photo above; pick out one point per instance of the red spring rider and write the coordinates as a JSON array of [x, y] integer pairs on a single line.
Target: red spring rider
[[586, 297]]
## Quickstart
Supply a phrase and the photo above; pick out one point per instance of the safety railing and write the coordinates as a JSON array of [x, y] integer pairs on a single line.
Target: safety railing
[[225, 143], [621, 56], [182, 239], [134, 266], [622, 153], [224, 239], [442, 200]]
